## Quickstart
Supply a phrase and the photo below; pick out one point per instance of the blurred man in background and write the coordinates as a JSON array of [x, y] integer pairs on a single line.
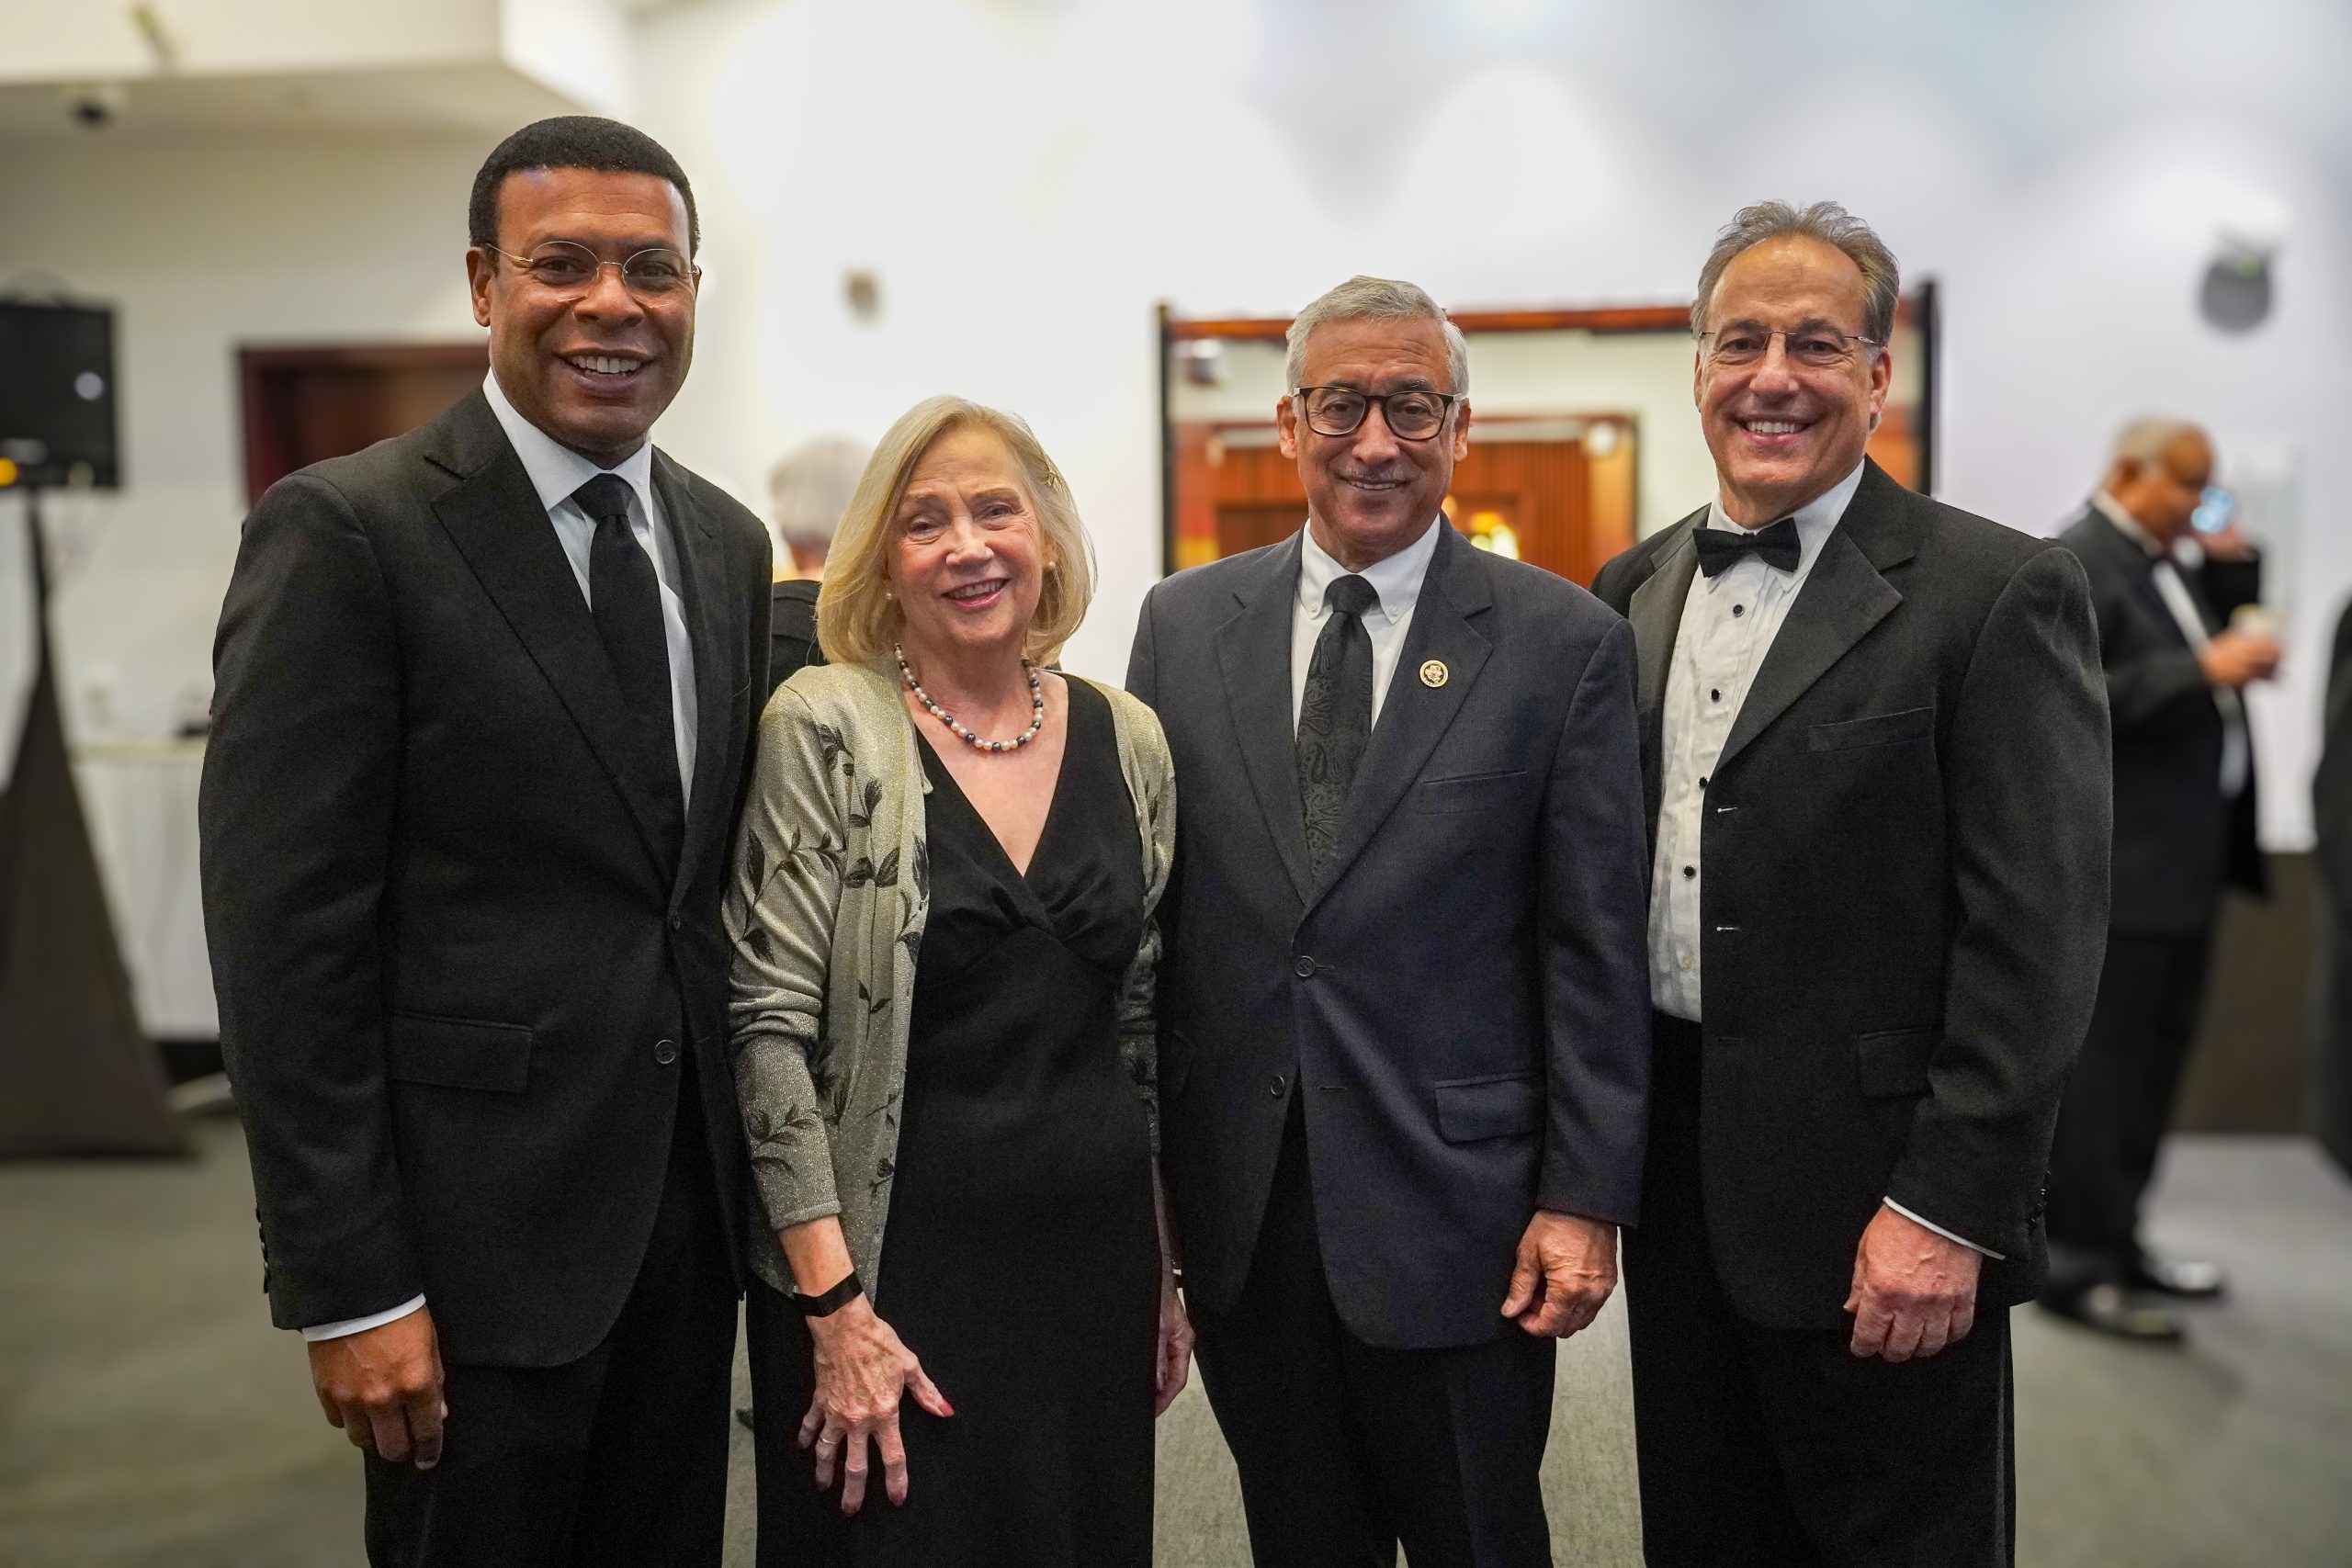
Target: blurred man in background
[[809, 491], [2184, 830]]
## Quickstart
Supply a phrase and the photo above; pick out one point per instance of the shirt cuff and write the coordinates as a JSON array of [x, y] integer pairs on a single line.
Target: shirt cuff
[[351, 1325], [1940, 1230]]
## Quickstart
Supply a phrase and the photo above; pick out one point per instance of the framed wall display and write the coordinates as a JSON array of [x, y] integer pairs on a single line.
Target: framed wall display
[[1582, 439]]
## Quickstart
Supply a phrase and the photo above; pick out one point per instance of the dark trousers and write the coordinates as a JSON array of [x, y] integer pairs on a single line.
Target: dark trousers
[[1774, 1448], [618, 1458], [1346, 1449], [2118, 1101]]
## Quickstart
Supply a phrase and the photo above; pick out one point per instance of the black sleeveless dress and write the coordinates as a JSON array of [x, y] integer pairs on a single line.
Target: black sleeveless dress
[[1019, 1260]]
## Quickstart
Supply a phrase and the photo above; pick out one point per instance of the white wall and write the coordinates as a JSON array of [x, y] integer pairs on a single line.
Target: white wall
[[204, 248], [1028, 179]]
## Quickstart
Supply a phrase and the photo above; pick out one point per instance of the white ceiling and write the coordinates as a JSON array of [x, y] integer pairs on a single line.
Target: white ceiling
[[463, 97]]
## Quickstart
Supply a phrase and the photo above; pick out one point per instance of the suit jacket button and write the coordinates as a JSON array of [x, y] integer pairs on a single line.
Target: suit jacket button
[[665, 1051], [1304, 968], [677, 922], [1276, 1083]]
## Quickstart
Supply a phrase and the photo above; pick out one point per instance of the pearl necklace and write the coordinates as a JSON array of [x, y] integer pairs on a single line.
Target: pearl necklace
[[1036, 703]]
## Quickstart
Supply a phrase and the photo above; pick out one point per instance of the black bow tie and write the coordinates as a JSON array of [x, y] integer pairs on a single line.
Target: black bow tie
[[1775, 544]]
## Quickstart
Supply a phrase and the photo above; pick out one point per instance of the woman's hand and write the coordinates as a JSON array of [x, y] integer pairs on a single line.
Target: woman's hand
[[1175, 1345], [862, 1368]]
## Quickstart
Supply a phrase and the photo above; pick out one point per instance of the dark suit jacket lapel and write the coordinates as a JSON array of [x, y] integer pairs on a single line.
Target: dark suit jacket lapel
[[1253, 653], [709, 628], [498, 525], [1656, 612], [1843, 598], [1415, 715]]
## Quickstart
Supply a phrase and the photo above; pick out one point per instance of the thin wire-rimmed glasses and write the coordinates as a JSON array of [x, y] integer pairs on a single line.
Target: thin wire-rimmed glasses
[[1816, 348], [1413, 416], [565, 267]]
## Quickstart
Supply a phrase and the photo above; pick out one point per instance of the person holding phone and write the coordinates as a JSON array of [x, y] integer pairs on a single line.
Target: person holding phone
[[2176, 661]]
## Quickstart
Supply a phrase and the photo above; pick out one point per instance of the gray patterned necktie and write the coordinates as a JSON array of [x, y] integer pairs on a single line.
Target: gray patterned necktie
[[1335, 717]]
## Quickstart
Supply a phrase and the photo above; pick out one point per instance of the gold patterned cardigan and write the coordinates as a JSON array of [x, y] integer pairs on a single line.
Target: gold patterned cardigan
[[826, 908]]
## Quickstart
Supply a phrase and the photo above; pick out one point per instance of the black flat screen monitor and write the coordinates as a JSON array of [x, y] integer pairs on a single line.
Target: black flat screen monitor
[[57, 419]]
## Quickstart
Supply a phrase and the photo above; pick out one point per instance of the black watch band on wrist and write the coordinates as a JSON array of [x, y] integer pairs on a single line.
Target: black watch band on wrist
[[844, 1292]]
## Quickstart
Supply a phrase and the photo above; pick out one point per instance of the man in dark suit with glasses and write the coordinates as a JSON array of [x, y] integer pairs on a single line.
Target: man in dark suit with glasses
[[485, 700], [1404, 1049]]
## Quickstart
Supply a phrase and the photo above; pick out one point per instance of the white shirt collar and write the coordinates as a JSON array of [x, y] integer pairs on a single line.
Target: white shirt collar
[[1814, 519], [1396, 578], [2128, 525], [556, 469]]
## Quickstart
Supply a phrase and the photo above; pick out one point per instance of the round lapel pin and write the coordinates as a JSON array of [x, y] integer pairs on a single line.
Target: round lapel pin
[[1433, 674]]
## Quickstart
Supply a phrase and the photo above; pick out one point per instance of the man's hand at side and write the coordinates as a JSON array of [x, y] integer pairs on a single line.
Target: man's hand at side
[[1565, 1268], [1913, 1293], [382, 1386]]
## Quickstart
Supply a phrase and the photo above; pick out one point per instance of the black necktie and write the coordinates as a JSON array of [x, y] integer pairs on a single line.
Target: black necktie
[[1775, 544], [1335, 718], [626, 598]]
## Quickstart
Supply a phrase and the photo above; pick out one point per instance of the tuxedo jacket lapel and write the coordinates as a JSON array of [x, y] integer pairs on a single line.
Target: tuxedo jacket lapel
[[1843, 598], [1253, 656], [1414, 715], [1656, 612], [701, 570], [497, 522]]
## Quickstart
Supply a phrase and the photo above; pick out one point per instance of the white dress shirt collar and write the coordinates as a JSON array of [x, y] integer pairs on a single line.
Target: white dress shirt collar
[[556, 469], [1396, 579], [2128, 526], [1814, 519]]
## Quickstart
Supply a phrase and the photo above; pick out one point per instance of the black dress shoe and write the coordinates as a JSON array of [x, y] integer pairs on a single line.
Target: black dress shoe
[[2110, 1310], [2189, 1278]]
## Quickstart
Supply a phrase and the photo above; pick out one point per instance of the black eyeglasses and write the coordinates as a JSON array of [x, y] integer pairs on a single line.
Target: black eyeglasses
[[572, 269], [1338, 411]]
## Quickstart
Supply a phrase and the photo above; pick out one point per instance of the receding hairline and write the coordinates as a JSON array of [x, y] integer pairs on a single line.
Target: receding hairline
[[1812, 241], [2151, 438]]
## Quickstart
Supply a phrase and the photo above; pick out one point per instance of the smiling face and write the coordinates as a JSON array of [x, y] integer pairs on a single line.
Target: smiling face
[[1368, 494], [965, 547], [1784, 433], [593, 370]]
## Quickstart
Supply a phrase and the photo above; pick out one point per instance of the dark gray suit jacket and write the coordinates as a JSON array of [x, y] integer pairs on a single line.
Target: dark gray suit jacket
[[2177, 842], [1461, 1002], [454, 966], [1904, 906]]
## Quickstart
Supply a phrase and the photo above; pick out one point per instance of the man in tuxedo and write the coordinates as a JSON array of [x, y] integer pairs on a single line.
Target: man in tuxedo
[[486, 695], [2183, 829], [1874, 744], [1403, 1040]]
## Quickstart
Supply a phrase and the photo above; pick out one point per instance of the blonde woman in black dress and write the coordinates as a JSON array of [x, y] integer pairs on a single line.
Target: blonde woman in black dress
[[942, 913]]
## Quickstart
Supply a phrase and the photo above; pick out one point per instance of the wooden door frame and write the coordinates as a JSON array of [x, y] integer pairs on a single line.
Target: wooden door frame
[[258, 366]]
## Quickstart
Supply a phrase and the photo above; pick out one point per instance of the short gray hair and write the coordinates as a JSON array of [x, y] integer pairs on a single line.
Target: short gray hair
[[2147, 439], [810, 488], [1826, 221], [1378, 299]]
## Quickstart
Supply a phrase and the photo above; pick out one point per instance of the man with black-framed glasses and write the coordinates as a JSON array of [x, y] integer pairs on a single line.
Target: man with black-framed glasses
[[485, 700], [1405, 1036], [1874, 742]]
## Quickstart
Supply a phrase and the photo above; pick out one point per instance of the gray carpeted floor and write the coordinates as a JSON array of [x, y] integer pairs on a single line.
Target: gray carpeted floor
[[150, 1416]]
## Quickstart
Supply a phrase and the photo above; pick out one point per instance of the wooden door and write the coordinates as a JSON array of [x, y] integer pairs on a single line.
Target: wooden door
[[303, 405]]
